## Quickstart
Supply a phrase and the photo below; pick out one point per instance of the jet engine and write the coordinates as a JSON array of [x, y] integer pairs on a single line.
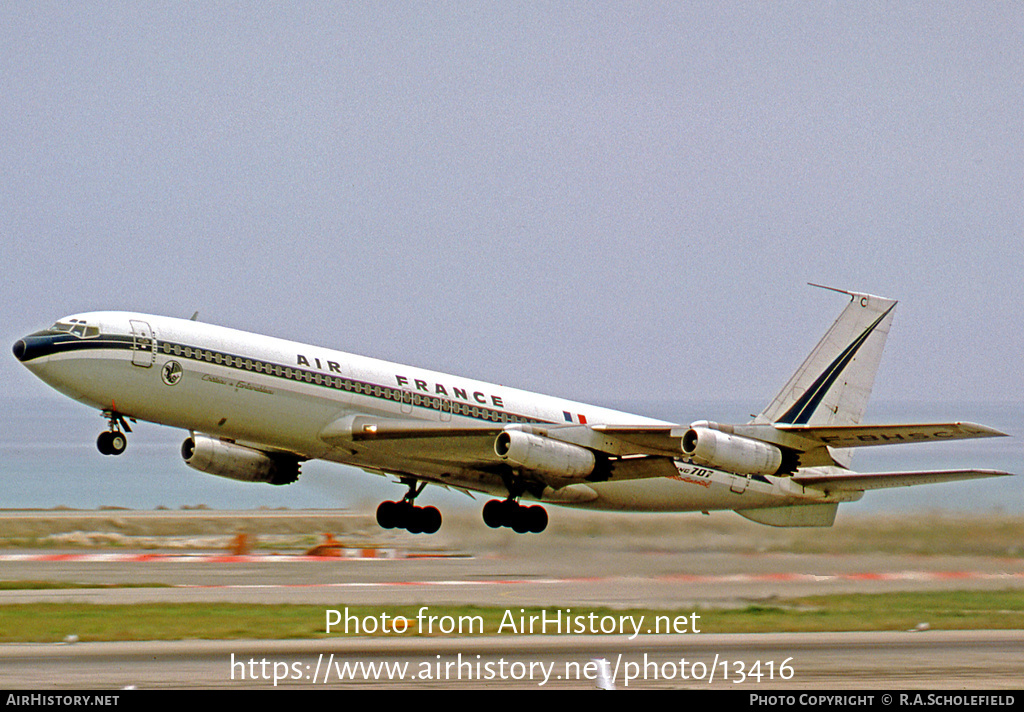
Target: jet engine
[[732, 453], [237, 462], [544, 455]]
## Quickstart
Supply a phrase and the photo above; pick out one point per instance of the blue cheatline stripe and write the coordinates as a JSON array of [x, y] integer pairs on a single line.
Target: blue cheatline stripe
[[801, 411]]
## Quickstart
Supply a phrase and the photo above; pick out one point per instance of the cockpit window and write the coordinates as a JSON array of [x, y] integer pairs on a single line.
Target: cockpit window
[[76, 327]]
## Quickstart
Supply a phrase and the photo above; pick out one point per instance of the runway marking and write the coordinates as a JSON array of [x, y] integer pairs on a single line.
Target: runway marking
[[136, 558], [710, 579], [357, 554]]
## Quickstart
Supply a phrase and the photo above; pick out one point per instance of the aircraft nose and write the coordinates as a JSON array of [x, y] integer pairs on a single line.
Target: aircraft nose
[[32, 346]]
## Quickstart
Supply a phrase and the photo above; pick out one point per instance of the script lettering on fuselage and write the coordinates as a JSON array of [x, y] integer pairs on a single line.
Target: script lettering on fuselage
[[231, 383], [685, 467], [449, 391], [691, 474]]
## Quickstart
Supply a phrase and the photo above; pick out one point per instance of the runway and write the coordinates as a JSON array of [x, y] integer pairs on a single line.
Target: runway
[[959, 660], [564, 570]]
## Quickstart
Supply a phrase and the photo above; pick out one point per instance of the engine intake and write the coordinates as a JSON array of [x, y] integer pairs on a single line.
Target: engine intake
[[544, 455], [732, 453], [237, 462]]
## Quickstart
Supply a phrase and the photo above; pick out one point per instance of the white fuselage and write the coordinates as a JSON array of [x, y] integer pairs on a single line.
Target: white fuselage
[[279, 396]]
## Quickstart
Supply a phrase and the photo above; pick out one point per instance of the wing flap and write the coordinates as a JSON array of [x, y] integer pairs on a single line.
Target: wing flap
[[662, 440]]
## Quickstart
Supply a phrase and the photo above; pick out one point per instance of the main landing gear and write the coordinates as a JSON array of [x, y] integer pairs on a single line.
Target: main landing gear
[[113, 441], [427, 520], [406, 515], [509, 513]]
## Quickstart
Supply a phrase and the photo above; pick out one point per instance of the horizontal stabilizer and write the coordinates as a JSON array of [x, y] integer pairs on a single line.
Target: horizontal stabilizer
[[860, 481]]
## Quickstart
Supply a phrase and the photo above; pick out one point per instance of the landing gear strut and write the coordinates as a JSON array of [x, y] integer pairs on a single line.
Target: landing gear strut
[[406, 515], [509, 513], [113, 441]]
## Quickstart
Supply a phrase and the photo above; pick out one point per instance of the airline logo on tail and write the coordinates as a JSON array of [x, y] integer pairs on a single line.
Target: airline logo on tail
[[805, 406]]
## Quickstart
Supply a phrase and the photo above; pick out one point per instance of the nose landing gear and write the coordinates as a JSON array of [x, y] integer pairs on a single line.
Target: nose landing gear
[[113, 441]]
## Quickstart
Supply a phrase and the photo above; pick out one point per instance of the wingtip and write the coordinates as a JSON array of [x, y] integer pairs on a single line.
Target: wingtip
[[983, 431]]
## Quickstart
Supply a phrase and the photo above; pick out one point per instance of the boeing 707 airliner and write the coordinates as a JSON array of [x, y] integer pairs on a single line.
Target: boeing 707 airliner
[[256, 407]]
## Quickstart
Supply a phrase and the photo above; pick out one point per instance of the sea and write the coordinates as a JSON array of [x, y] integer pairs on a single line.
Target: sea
[[48, 459]]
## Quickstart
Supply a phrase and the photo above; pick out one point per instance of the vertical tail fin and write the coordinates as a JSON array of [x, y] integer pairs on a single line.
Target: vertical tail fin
[[833, 384]]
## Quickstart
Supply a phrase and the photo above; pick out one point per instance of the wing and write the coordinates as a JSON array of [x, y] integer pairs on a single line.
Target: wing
[[846, 436], [556, 455], [770, 448], [464, 454]]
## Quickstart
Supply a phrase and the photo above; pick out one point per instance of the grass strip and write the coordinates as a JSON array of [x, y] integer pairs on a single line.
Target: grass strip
[[45, 622]]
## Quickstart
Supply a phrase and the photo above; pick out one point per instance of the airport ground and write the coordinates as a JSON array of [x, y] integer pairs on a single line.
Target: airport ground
[[623, 562]]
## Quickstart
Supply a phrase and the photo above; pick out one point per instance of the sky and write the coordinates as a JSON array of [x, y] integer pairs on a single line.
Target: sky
[[616, 202]]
